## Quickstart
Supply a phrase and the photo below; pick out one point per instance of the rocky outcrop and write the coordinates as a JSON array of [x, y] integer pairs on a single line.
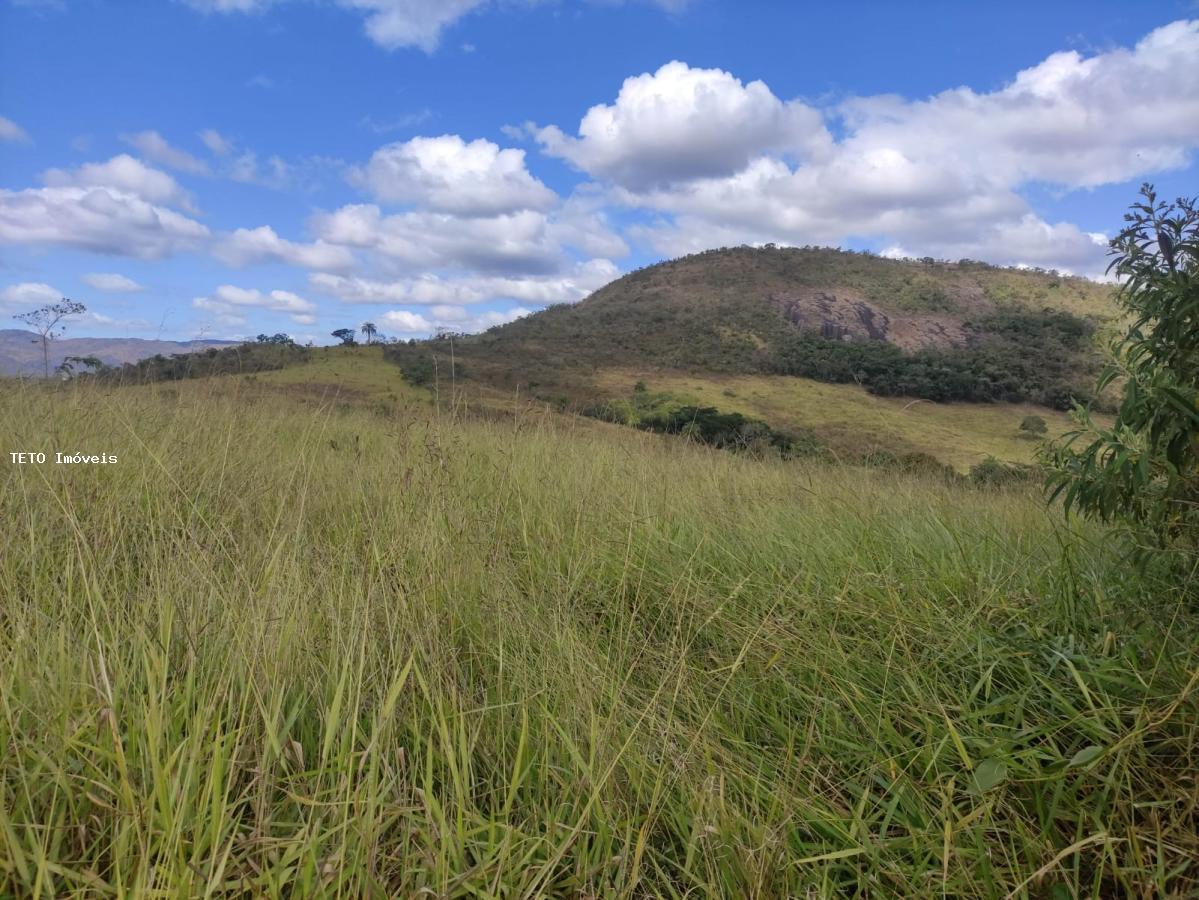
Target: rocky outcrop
[[843, 316]]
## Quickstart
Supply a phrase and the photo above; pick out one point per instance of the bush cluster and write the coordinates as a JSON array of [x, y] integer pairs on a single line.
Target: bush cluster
[[663, 413], [1018, 357], [263, 356]]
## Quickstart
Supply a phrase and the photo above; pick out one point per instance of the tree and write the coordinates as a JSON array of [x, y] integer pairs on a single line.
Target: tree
[[1143, 471], [46, 319], [346, 336], [369, 329], [67, 367], [277, 338], [1034, 425]]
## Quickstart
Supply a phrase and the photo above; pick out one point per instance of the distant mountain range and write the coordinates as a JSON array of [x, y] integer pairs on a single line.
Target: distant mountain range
[[21, 351]]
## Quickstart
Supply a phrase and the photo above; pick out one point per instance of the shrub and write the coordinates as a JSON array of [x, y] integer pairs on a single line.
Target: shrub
[[1033, 425], [994, 473], [1143, 471]]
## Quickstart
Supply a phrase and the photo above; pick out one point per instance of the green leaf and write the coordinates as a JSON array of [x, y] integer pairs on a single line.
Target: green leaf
[[990, 773], [1084, 756]]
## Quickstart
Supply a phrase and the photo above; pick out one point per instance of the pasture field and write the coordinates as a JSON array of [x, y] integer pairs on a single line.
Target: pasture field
[[852, 421], [292, 645]]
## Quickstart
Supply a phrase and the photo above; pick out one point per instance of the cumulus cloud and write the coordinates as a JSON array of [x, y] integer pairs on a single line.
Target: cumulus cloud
[[99, 219], [454, 318], [404, 322], [112, 283], [249, 246], [448, 175], [228, 302], [444, 292], [941, 176], [126, 174], [11, 132], [29, 293], [681, 123], [1070, 120], [517, 242], [154, 146]]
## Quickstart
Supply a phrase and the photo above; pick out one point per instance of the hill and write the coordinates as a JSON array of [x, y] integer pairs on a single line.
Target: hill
[[21, 351], [932, 330], [749, 331]]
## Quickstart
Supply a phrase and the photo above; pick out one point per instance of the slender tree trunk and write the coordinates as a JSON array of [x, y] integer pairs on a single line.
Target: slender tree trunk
[[46, 357]]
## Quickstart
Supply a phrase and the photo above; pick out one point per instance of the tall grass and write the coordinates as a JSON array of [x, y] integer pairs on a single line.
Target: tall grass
[[288, 653]]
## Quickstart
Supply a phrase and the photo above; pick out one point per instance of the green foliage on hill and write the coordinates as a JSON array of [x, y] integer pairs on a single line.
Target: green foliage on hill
[[1027, 335], [664, 413], [1020, 356]]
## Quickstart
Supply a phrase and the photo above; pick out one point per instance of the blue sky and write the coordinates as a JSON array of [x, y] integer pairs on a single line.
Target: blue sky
[[221, 168]]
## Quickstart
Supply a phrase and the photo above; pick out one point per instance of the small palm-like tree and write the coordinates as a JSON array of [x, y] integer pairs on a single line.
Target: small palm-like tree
[[369, 329]]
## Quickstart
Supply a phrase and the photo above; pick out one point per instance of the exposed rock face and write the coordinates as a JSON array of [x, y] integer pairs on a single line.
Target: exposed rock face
[[842, 316]]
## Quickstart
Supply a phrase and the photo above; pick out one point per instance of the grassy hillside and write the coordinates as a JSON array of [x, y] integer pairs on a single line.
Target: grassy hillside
[[827, 314], [293, 647], [853, 422], [832, 342], [845, 418]]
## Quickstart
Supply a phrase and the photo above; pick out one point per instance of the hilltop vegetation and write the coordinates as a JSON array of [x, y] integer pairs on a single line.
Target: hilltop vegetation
[[963, 331], [263, 355]]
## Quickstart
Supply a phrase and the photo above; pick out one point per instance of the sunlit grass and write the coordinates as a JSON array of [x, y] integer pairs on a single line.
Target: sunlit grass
[[312, 650], [848, 417]]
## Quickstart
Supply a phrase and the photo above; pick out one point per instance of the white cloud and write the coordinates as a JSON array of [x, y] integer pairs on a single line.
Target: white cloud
[[581, 222], [407, 323], [1070, 120], [404, 322], [394, 24], [29, 293], [112, 283], [249, 246], [216, 142], [941, 176], [410, 23], [225, 6], [227, 302], [154, 146], [125, 174], [12, 132], [246, 170], [443, 292], [100, 219], [682, 123], [445, 174], [518, 242]]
